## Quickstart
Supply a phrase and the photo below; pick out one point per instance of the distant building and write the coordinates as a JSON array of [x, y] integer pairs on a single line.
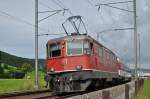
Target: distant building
[[146, 75]]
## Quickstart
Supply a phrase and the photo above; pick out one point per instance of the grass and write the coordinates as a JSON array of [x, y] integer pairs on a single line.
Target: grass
[[145, 93], [41, 78], [146, 90], [9, 85]]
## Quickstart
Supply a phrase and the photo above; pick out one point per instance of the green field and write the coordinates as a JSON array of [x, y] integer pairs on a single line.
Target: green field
[[9, 85], [145, 93]]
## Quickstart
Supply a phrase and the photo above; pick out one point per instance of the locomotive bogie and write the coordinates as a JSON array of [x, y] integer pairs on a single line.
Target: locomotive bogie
[[79, 80]]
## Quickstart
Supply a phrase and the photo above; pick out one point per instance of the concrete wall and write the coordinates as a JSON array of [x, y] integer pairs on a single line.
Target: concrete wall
[[91, 95], [125, 91]]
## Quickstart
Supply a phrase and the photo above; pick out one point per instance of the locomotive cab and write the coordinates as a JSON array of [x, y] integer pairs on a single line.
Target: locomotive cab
[[68, 54]]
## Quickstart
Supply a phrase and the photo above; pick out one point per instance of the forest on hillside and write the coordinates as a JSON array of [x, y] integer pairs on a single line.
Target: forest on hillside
[[16, 61], [12, 66]]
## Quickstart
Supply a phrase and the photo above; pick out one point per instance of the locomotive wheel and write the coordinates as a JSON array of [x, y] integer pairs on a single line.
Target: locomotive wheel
[[77, 85]]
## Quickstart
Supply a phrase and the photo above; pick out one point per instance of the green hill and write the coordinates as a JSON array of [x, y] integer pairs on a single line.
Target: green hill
[[16, 61]]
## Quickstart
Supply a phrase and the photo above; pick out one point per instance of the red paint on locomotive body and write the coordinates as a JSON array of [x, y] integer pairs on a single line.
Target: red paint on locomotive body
[[71, 52]]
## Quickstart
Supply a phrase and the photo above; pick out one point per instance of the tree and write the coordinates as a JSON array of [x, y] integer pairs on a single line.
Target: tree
[[1, 69], [5, 66], [26, 67], [44, 69]]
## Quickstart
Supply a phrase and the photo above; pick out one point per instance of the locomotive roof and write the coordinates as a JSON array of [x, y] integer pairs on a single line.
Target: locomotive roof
[[81, 36], [69, 37]]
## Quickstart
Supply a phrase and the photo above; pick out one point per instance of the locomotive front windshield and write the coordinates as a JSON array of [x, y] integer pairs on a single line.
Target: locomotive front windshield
[[75, 47], [54, 50]]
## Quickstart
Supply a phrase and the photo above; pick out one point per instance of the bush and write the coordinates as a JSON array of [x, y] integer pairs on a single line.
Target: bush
[[1, 69], [5, 76], [15, 75], [18, 75], [28, 84]]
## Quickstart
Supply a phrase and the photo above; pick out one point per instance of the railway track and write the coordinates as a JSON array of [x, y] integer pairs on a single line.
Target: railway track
[[38, 94], [46, 94], [34, 94]]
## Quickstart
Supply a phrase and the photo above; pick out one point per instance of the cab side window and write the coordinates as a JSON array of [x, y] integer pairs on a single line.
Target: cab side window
[[91, 48], [100, 54], [88, 48], [55, 50], [107, 57]]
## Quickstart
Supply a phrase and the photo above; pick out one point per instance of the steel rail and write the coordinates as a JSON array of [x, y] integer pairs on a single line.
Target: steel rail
[[33, 94]]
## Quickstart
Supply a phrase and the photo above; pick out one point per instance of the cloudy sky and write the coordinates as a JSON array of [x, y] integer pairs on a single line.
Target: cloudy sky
[[17, 25]]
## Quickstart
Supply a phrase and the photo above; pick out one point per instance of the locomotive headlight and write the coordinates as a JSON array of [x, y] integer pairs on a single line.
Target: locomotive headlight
[[52, 69], [78, 67]]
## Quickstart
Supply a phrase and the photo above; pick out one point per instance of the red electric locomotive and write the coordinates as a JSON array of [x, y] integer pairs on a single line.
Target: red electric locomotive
[[79, 62], [76, 62]]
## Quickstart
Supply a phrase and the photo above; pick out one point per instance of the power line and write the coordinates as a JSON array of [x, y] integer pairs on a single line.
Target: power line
[[135, 26], [61, 3], [62, 6], [51, 34], [116, 2], [48, 16], [128, 13], [56, 11], [102, 18], [117, 8], [112, 18], [16, 18], [48, 11], [112, 3], [57, 4], [69, 11], [20, 20], [41, 3], [90, 2]]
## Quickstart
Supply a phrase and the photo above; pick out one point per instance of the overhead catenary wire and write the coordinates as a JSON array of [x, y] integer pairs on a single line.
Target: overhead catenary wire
[[48, 11], [45, 5], [62, 6], [48, 16], [56, 11], [100, 14], [22, 20], [55, 2], [108, 11], [90, 2], [109, 4], [117, 8], [135, 27], [19, 19], [61, 3], [52, 34], [69, 11], [121, 2], [103, 20]]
